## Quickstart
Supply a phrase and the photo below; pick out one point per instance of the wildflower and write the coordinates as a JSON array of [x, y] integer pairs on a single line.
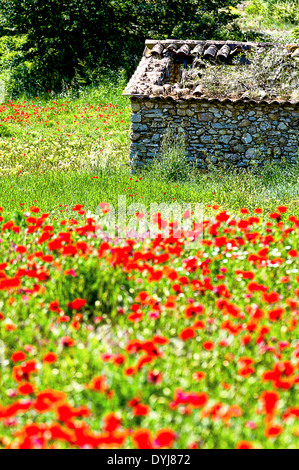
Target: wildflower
[[164, 438], [50, 358], [77, 304], [18, 356], [244, 445], [187, 333], [208, 345]]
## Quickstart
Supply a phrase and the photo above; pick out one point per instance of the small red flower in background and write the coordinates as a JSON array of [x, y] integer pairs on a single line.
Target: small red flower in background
[[244, 445], [269, 401], [130, 371], [99, 384], [282, 209], [54, 306], [67, 341], [141, 410], [187, 333], [21, 249], [111, 422], [275, 215], [34, 209], [50, 357], [154, 376], [142, 439], [198, 376], [273, 430], [199, 325], [164, 438], [18, 356], [208, 345], [77, 304], [26, 388], [194, 399]]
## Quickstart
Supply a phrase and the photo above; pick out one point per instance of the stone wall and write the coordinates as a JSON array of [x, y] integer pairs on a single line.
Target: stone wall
[[241, 133]]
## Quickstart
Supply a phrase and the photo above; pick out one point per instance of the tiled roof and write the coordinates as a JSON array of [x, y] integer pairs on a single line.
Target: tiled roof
[[158, 68]]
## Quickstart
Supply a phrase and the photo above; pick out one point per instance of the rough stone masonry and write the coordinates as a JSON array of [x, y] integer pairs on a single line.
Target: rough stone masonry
[[240, 133], [225, 129]]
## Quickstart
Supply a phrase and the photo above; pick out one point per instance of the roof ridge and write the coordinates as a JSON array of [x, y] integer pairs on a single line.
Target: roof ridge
[[150, 43]]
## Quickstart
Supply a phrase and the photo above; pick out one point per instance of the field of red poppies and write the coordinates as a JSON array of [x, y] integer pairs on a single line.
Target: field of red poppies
[[145, 344]]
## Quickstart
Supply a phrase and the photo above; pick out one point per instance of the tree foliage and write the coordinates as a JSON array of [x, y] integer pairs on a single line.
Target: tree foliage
[[72, 38]]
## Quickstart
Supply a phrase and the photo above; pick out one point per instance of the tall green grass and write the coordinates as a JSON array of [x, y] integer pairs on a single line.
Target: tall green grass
[[57, 192]]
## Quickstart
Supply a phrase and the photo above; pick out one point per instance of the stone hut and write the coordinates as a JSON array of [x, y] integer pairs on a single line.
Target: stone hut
[[242, 123]]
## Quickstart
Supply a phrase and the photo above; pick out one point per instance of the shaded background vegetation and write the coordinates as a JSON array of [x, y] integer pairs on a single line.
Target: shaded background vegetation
[[58, 44], [50, 44]]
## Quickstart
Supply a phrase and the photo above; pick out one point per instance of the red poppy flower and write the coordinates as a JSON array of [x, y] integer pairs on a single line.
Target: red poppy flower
[[164, 438], [208, 345], [99, 384], [275, 215], [111, 422], [129, 371], [273, 430], [141, 410], [154, 376], [270, 297], [50, 357], [244, 445], [269, 400], [142, 439], [187, 333], [67, 341], [199, 325], [18, 356], [10, 283], [26, 388], [192, 310], [77, 304], [222, 216], [198, 376]]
